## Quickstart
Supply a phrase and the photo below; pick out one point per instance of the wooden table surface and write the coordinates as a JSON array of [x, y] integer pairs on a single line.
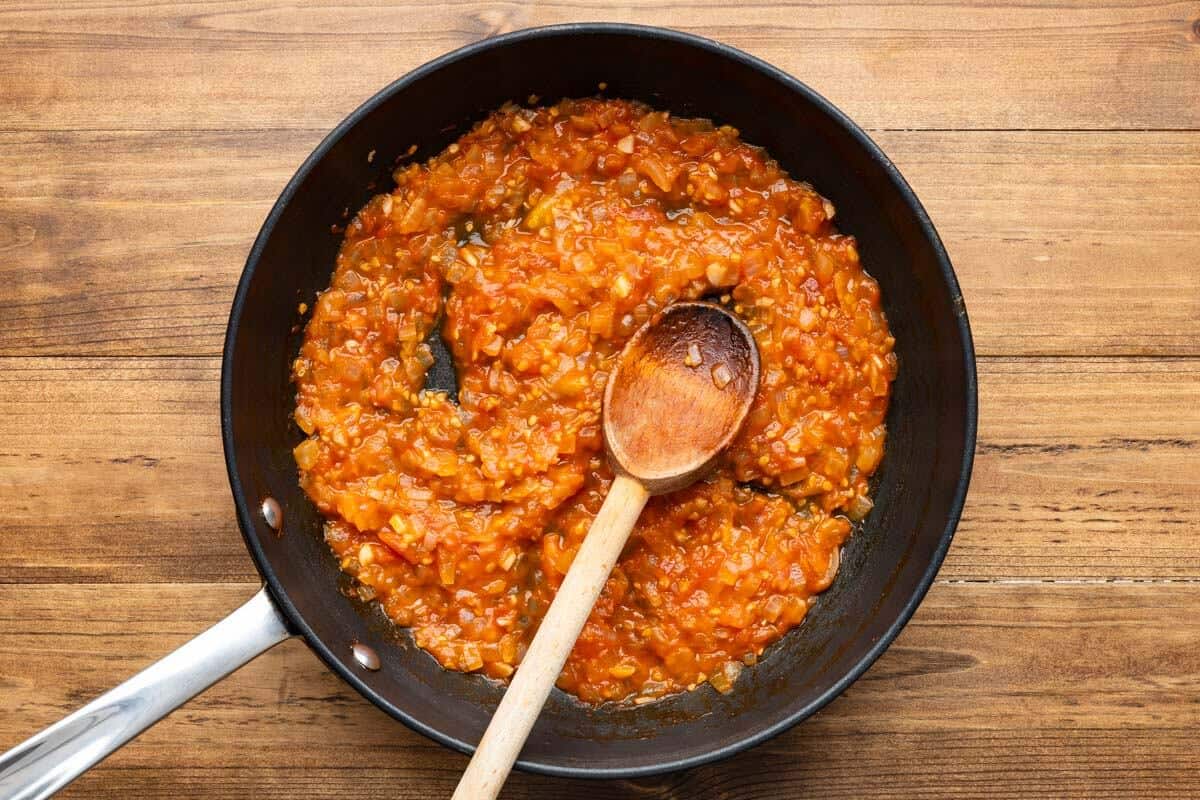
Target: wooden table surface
[[1057, 148]]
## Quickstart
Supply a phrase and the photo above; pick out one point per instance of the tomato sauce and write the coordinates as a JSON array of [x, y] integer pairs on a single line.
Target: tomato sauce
[[535, 246]]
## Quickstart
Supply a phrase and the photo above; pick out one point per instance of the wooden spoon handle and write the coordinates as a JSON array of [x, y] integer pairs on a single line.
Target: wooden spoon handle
[[519, 709]]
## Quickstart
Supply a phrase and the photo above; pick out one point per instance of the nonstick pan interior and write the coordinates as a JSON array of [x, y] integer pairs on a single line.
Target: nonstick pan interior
[[886, 566]]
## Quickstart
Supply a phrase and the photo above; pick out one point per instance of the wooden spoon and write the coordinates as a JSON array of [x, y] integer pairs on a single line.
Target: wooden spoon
[[677, 396]]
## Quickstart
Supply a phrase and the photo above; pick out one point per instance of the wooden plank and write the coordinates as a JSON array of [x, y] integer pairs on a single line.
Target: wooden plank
[[81, 213], [111, 471], [1068, 243], [991, 691], [967, 64], [1084, 470]]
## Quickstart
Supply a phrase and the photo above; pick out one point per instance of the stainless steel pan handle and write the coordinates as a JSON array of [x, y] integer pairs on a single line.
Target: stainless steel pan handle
[[40, 766]]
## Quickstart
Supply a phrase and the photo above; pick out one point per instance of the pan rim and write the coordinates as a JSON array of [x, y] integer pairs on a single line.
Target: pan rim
[[246, 519]]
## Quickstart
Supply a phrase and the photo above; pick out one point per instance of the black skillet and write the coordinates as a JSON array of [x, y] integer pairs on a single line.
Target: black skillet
[[887, 566]]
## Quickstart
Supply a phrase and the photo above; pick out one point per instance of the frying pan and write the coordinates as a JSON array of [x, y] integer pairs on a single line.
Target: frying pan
[[887, 565]]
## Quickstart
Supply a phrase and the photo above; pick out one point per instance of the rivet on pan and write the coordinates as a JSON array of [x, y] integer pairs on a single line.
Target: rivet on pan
[[272, 513], [366, 657]]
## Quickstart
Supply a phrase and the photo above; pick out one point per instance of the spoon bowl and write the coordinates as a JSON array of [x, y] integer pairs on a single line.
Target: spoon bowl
[[678, 395]]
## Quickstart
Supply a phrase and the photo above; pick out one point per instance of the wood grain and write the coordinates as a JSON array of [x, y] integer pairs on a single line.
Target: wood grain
[[952, 703], [1065, 243], [177, 211], [255, 64], [114, 469], [111, 471], [1056, 145]]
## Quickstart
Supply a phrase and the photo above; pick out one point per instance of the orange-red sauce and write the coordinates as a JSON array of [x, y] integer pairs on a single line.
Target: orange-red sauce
[[538, 243]]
